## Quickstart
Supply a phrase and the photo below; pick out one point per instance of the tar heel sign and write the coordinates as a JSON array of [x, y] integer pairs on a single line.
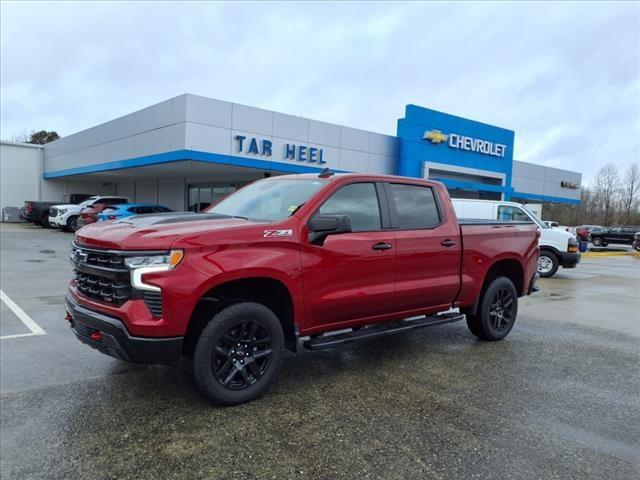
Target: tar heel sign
[[277, 150]]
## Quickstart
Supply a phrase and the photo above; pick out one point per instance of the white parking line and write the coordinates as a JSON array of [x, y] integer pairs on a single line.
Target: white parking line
[[26, 319]]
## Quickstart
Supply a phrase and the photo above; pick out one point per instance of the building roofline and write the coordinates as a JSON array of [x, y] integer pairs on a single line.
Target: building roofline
[[20, 144]]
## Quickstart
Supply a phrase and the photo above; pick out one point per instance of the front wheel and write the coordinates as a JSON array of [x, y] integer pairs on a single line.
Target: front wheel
[[72, 224], [597, 242], [497, 311], [547, 264], [238, 353]]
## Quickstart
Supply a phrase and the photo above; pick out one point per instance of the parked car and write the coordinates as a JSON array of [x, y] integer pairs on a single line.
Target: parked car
[[66, 216], [38, 212], [129, 209], [622, 234], [297, 261], [636, 241], [557, 246], [90, 214]]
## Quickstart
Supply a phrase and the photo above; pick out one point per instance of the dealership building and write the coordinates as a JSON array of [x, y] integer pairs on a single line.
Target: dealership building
[[188, 151]]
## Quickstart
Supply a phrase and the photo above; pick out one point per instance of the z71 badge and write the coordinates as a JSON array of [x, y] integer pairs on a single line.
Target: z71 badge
[[277, 233]]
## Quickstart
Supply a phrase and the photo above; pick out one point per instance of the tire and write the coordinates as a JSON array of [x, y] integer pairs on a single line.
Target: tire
[[227, 343], [44, 221], [547, 264], [597, 242], [72, 224], [496, 312]]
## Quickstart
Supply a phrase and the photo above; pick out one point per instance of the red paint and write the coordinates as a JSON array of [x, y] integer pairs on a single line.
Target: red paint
[[341, 284], [96, 336]]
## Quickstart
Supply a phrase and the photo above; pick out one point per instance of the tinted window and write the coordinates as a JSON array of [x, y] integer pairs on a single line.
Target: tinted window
[[513, 214], [162, 209], [143, 210], [132, 209], [615, 230], [360, 202], [415, 206]]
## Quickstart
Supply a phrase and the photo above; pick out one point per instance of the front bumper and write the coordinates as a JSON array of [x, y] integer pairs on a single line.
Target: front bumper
[[570, 260], [56, 221], [115, 340]]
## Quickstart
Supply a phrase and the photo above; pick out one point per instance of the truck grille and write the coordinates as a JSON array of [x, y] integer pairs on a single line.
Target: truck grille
[[102, 276]]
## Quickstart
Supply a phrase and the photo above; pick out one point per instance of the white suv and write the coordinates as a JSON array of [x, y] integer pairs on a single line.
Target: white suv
[[66, 216]]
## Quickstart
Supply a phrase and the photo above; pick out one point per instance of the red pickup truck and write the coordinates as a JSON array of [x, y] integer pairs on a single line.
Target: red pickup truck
[[298, 261]]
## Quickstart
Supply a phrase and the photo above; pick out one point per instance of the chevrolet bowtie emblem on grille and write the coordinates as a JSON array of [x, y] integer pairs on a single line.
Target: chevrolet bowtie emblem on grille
[[80, 257], [435, 136]]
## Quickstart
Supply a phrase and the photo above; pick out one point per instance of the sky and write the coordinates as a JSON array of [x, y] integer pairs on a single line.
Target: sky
[[565, 77]]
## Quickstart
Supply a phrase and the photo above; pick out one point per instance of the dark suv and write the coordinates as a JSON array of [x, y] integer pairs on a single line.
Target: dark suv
[[618, 234]]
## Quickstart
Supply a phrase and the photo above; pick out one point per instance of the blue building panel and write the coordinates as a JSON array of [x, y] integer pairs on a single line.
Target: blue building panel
[[429, 136]]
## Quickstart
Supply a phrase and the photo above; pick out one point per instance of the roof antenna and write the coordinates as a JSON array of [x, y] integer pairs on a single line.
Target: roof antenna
[[326, 173]]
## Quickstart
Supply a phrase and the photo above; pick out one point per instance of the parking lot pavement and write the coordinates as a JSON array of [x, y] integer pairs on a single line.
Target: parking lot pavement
[[557, 399]]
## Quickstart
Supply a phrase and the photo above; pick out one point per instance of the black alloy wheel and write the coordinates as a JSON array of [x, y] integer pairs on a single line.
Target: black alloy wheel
[[238, 353], [501, 309], [242, 355], [496, 314]]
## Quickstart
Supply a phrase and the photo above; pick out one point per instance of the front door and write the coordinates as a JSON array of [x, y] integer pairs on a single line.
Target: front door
[[351, 275]]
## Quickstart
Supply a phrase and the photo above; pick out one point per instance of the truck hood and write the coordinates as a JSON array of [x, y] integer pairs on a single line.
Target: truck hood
[[68, 206], [153, 232]]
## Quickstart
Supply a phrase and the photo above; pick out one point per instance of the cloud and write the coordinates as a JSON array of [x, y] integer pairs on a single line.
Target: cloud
[[565, 77]]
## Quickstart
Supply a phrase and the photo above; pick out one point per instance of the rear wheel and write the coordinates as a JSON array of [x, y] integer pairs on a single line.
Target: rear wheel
[[497, 311], [44, 220], [547, 263], [238, 353]]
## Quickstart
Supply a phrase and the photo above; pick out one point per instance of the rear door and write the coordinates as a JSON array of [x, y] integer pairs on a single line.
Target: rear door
[[351, 275], [428, 249]]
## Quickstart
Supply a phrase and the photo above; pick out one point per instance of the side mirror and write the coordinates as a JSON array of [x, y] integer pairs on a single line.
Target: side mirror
[[321, 226]]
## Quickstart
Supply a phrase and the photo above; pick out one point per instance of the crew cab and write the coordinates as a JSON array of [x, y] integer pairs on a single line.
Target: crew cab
[[66, 216], [298, 262]]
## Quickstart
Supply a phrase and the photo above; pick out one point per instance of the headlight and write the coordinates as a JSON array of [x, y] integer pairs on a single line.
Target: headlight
[[151, 264], [62, 211], [171, 260]]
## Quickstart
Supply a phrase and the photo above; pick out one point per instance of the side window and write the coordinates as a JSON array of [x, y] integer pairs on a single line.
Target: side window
[[415, 206], [132, 209], [360, 202], [615, 230], [143, 210], [514, 214]]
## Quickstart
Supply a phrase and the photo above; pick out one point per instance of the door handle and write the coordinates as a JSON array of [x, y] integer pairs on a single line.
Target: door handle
[[448, 243], [381, 246]]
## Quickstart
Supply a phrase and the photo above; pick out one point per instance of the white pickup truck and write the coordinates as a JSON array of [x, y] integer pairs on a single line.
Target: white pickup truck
[[66, 216], [557, 247]]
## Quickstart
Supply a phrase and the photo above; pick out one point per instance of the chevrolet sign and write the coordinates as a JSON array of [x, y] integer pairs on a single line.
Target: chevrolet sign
[[463, 142]]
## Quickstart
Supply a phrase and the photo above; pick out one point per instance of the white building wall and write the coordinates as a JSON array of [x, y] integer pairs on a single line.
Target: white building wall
[[20, 170]]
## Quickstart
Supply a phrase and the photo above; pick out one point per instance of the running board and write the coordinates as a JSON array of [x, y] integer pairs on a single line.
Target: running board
[[378, 330]]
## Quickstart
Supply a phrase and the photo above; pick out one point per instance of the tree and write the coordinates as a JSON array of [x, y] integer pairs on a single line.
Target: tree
[[42, 137], [606, 188], [630, 194]]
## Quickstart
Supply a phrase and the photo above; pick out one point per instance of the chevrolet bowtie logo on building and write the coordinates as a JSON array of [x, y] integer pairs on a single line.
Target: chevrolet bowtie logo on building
[[435, 136], [462, 142]]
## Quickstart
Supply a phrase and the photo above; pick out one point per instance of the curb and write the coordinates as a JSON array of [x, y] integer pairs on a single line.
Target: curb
[[610, 254]]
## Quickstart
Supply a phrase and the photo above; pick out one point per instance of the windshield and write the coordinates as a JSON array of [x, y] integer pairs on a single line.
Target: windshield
[[271, 199], [537, 221]]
